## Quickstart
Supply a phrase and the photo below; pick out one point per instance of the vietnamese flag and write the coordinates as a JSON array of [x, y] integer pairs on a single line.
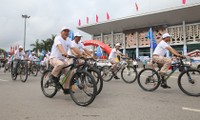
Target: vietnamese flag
[[97, 19], [183, 1]]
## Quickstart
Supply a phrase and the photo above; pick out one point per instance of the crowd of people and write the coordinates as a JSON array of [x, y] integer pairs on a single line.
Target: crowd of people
[[62, 47]]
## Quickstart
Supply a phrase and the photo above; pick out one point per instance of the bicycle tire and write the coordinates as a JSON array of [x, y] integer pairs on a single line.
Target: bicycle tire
[[98, 79], [79, 84], [107, 74], [13, 75], [146, 75], [34, 70], [131, 71], [24, 73], [45, 84], [182, 81]]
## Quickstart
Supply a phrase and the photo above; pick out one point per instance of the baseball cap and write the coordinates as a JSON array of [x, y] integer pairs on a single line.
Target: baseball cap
[[20, 47], [117, 44], [166, 35], [33, 52], [65, 28], [77, 34]]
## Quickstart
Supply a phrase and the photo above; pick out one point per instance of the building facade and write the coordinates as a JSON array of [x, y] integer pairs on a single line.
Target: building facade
[[131, 31]]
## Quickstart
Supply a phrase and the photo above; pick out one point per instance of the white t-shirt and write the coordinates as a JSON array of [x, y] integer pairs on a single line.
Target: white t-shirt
[[161, 48], [113, 54], [32, 58], [80, 46], [19, 55], [66, 44]]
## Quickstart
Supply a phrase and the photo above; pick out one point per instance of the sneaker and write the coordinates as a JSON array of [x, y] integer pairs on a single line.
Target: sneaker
[[66, 91], [116, 77], [53, 79], [164, 85]]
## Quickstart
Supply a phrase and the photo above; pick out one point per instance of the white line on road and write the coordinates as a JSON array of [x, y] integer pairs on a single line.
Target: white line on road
[[191, 109], [3, 80]]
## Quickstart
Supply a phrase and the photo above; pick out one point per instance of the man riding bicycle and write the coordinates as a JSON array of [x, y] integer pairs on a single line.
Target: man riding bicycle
[[77, 43], [32, 59], [19, 55], [113, 58], [58, 55], [159, 53]]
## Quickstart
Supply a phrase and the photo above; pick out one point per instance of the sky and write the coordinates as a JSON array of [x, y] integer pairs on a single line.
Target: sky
[[47, 17]]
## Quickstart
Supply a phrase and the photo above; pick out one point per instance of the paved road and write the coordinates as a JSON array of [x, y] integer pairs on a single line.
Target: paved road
[[118, 101]]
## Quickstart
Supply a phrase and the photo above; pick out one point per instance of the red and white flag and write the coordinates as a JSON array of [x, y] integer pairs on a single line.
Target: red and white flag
[[107, 16], [97, 19]]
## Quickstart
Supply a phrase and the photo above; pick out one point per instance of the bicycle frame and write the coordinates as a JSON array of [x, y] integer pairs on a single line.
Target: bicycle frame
[[177, 65]]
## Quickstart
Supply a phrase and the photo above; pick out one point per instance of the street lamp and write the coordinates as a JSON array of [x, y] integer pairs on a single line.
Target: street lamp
[[25, 17]]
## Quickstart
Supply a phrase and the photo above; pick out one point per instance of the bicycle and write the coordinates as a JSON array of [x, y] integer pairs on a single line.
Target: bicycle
[[81, 83], [33, 69], [20, 69], [149, 79], [128, 73], [91, 66], [7, 66]]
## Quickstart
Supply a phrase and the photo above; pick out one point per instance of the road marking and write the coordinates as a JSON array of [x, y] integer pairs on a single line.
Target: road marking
[[3, 80], [191, 109]]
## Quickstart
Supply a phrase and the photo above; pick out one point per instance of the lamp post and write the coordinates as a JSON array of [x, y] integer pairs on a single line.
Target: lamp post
[[25, 17]]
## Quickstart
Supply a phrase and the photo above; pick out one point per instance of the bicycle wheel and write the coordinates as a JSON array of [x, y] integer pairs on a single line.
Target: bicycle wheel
[[148, 79], [106, 74], [48, 88], [34, 70], [129, 74], [13, 74], [83, 88], [23, 72], [189, 82], [98, 79]]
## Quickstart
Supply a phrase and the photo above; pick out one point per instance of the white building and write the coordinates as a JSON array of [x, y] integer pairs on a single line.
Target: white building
[[182, 22]]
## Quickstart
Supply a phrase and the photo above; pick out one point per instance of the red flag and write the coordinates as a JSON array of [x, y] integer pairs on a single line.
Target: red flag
[[87, 20], [107, 16], [97, 18], [79, 22], [136, 6], [183, 1]]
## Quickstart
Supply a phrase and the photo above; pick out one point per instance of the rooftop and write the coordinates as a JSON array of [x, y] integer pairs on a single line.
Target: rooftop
[[171, 16]]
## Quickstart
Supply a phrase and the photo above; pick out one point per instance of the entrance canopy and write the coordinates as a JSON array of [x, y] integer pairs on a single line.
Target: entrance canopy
[[167, 17]]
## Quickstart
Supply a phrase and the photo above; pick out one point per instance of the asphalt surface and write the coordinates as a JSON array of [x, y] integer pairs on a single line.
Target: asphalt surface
[[117, 101]]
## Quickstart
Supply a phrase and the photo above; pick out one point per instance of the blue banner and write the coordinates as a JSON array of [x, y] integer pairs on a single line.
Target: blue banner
[[71, 35], [99, 52], [150, 36]]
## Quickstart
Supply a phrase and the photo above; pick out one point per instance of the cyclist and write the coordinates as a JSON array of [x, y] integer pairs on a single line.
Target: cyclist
[[76, 43], [19, 55], [32, 58], [58, 52], [159, 53], [113, 58]]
